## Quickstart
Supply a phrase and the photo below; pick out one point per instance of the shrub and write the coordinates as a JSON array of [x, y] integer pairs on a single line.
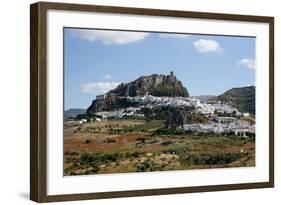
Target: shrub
[[135, 154], [166, 143], [153, 141], [220, 158], [110, 157], [140, 168], [128, 155], [212, 159], [87, 172], [89, 158], [147, 164], [71, 153], [88, 141], [142, 139], [170, 131], [110, 140], [95, 169]]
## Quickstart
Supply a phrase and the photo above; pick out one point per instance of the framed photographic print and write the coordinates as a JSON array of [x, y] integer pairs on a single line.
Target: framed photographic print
[[134, 102]]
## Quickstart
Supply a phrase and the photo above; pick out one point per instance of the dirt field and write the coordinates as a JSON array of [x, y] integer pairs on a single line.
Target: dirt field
[[118, 146]]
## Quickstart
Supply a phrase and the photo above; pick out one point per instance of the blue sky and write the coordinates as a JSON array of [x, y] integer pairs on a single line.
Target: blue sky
[[96, 61]]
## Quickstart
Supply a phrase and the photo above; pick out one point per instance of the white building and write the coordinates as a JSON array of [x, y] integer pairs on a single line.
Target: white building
[[82, 121], [100, 97], [246, 114]]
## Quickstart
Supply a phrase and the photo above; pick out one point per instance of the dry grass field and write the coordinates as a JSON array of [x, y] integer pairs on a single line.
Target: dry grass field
[[121, 146]]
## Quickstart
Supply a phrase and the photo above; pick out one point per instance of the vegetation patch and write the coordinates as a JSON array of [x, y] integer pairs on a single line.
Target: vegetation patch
[[211, 159]]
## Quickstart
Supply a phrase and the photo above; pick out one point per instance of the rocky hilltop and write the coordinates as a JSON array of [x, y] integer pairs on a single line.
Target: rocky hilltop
[[156, 85]]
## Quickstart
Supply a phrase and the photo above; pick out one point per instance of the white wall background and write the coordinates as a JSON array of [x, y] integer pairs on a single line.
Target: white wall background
[[14, 101]]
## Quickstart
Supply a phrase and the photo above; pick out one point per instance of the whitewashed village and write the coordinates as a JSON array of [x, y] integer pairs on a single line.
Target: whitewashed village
[[213, 109]]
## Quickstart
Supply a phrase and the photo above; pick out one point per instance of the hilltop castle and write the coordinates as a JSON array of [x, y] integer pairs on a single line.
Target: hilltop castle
[[155, 84]]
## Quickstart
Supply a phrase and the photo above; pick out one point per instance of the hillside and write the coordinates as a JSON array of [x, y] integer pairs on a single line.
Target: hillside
[[156, 85], [242, 98], [109, 103]]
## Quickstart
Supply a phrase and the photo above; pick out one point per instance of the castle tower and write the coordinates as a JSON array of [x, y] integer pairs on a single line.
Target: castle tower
[[172, 74]]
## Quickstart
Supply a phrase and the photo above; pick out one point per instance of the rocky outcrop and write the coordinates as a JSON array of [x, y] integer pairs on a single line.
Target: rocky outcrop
[[156, 85], [183, 115]]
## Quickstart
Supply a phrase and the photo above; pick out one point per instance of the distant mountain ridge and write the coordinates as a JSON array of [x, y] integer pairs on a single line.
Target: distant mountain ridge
[[155, 84], [243, 98], [205, 98], [73, 112]]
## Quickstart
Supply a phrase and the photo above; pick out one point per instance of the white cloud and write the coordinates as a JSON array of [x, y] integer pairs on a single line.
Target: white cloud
[[107, 76], [249, 63], [173, 35], [99, 87], [109, 37], [204, 46]]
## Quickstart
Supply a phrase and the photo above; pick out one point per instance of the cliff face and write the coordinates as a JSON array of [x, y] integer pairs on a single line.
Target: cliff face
[[180, 116], [156, 85]]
